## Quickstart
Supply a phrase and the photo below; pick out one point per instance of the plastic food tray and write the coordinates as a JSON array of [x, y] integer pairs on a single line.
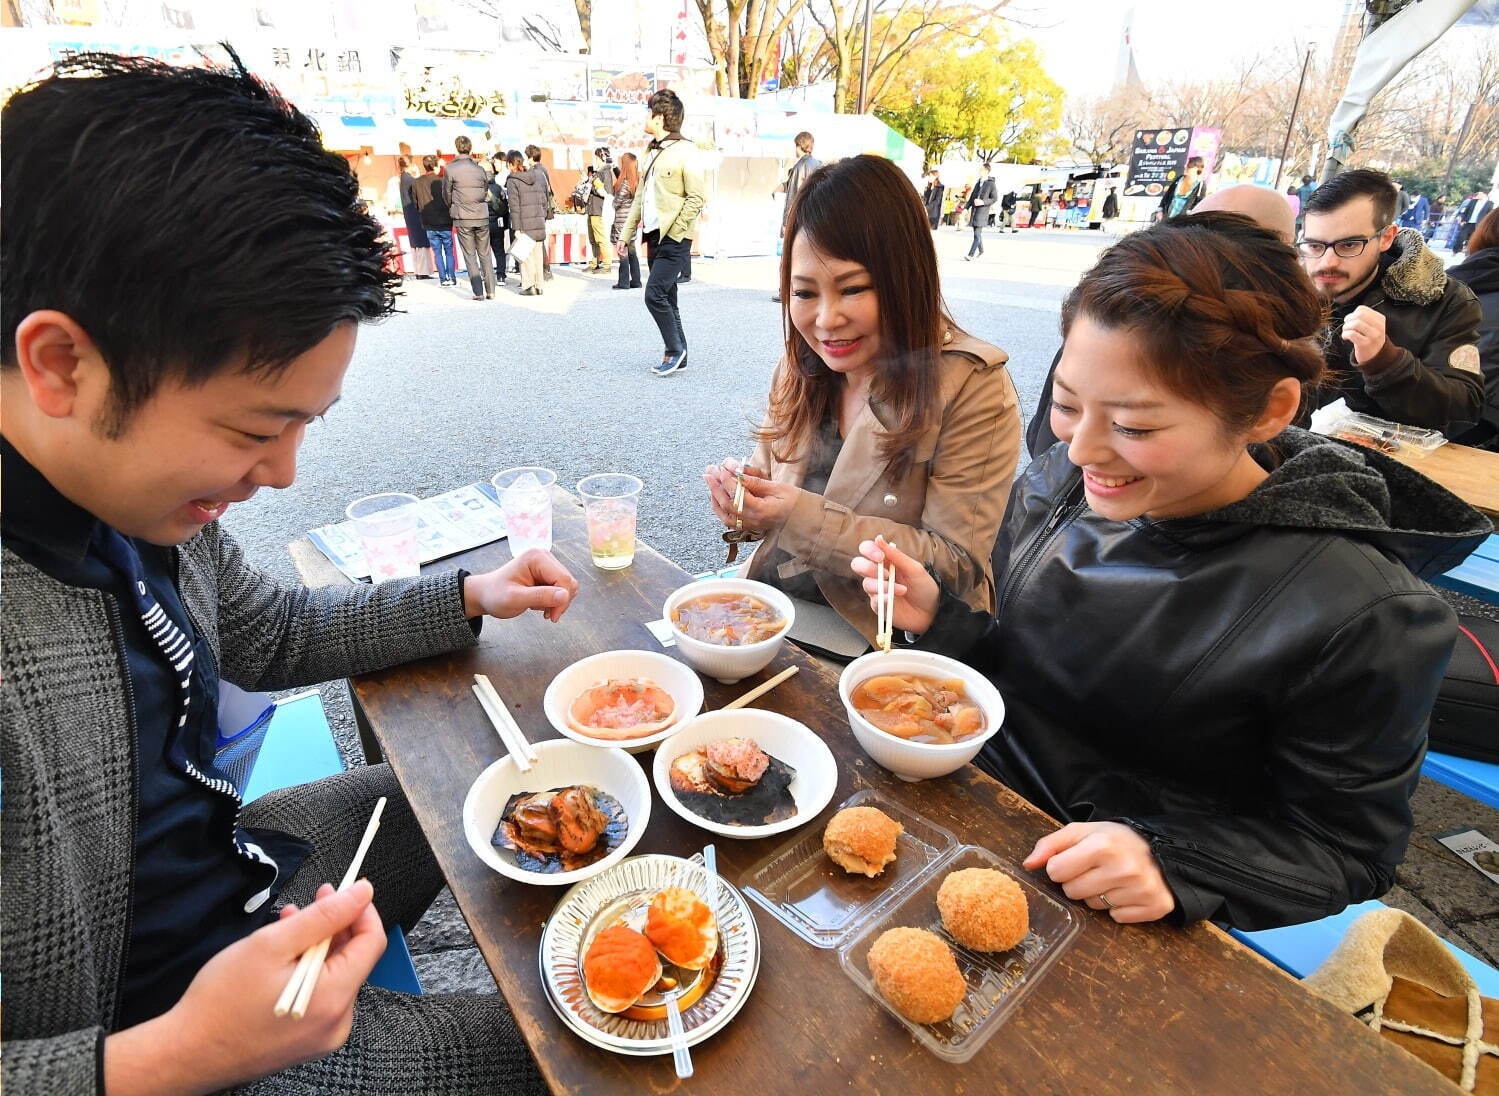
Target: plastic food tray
[[816, 899], [997, 981]]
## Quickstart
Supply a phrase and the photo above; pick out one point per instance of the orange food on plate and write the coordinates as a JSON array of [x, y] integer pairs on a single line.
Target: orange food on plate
[[620, 966], [621, 709], [919, 708], [729, 620], [682, 928]]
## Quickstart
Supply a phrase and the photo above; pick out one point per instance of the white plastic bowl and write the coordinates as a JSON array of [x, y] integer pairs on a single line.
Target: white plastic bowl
[[684, 686], [559, 764], [919, 760], [723, 663], [783, 738]]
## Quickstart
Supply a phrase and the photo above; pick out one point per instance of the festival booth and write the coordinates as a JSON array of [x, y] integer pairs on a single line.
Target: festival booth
[[375, 101]]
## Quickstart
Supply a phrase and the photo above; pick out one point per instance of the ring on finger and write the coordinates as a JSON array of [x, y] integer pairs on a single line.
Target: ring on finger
[[1104, 898]]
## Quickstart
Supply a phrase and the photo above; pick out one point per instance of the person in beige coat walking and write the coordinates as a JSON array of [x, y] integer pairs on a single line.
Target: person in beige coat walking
[[885, 418]]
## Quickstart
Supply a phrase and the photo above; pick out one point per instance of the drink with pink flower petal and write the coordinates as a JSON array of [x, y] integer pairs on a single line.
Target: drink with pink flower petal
[[526, 499], [610, 501]]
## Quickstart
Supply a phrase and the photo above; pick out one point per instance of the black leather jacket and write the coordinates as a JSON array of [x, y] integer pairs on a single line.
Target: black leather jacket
[[1249, 689]]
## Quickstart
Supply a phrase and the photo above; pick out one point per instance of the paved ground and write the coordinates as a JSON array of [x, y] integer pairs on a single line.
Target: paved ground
[[454, 390]]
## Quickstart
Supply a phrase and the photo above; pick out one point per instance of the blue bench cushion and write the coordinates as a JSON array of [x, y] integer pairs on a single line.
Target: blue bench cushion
[[1301, 949], [1480, 779], [299, 749], [1478, 575]]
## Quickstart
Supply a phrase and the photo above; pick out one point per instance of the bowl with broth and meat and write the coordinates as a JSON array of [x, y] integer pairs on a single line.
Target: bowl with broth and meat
[[729, 628], [918, 714]]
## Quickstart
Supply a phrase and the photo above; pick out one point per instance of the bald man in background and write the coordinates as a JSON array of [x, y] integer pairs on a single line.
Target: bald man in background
[[1260, 204]]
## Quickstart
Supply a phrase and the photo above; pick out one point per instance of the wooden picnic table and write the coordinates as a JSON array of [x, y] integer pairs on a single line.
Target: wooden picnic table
[[1470, 474], [1127, 1009]]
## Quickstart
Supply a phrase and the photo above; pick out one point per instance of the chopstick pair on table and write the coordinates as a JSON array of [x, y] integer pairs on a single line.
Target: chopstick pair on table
[[884, 606], [298, 992], [515, 740]]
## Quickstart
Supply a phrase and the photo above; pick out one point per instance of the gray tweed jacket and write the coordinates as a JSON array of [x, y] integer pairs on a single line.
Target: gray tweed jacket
[[67, 746]]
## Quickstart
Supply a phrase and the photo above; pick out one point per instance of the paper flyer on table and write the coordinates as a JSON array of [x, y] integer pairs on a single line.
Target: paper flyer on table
[[452, 522]]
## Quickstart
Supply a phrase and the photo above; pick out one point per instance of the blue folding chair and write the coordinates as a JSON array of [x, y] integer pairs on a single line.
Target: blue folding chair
[[298, 749]]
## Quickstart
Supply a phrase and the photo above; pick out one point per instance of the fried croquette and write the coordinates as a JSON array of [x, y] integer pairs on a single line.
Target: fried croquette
[[861, 840], [984, 909], [915, 971]]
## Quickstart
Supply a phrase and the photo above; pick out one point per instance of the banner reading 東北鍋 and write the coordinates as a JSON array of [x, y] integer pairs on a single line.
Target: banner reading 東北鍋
[[1156, 160]]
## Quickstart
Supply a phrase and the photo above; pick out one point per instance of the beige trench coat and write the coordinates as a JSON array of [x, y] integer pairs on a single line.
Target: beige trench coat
[[945, 511]]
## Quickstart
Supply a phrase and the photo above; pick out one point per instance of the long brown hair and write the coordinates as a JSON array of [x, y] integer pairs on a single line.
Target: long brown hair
[[1221, 307], [1486, 235], [628, 173], [864, 210]]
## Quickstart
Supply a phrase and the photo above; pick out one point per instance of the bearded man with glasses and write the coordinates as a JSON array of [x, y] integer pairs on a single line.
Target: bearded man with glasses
[[1402, 338]]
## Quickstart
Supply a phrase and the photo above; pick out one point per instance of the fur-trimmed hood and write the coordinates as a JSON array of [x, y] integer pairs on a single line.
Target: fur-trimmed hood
[[1416, 275]]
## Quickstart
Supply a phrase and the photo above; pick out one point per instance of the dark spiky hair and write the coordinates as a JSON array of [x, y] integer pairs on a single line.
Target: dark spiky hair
[[189, 219]]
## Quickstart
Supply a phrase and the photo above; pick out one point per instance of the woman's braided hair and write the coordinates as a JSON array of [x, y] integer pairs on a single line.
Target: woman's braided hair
[[1221, 307]]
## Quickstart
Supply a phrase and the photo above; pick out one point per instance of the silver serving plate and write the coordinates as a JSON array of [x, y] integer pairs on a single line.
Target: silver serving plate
[[622, 893]]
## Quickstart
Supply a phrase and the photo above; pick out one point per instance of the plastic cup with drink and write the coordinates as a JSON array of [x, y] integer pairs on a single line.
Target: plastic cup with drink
[[387, 525], [610, 500], [526, 499]]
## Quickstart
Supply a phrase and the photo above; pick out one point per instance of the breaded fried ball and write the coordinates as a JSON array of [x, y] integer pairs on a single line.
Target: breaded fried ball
[[915, 971], [861, 840], [984, 909]]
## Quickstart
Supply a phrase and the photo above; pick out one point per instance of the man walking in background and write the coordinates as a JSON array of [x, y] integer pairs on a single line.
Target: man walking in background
[[468, 202], [805, 164], [980, 201], [671, 196]]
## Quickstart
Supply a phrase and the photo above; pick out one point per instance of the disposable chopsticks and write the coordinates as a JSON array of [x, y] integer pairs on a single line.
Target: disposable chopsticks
[[298, 992], [516, 743], [884, 606], [761, 689]]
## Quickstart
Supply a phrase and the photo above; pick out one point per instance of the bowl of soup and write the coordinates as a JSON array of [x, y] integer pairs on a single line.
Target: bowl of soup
[[729, 628], [919, 714]]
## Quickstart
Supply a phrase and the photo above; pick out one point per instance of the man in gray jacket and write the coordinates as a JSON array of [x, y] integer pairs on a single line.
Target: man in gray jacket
[[468, 202], [150, 919]]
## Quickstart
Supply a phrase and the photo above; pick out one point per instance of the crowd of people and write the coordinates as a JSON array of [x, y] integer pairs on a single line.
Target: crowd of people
[[499, 214], [1209, 625]]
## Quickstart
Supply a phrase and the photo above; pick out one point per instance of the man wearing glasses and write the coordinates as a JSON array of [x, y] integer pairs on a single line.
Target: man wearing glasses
[[1403, 337]]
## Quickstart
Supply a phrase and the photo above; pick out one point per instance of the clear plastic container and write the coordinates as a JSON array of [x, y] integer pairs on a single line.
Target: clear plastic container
[[997, 981], [1385, 436], [820, 902]]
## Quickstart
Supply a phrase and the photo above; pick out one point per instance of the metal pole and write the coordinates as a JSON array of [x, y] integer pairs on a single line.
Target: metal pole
[[864, 60], [1295, 105]]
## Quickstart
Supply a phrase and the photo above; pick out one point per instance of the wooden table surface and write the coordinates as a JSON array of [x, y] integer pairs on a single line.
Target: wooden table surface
[[1470, 474], [1127, 1009]]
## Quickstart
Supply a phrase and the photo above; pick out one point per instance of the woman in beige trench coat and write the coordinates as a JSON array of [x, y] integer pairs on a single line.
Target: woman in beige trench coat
[[885, 418]]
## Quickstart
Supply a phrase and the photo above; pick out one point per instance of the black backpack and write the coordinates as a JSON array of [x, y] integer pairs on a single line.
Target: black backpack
[[1465, 718]]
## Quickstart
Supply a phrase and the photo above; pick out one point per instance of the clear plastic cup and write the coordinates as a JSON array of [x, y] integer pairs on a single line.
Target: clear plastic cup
[[526, 499], [610, 500], [386, 524]]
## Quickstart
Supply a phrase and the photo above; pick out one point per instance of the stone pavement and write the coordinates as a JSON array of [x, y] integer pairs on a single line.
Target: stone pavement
[[453, 390]]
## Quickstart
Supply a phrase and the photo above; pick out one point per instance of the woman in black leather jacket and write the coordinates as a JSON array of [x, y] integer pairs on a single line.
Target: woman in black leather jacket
[[1215, 650]]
